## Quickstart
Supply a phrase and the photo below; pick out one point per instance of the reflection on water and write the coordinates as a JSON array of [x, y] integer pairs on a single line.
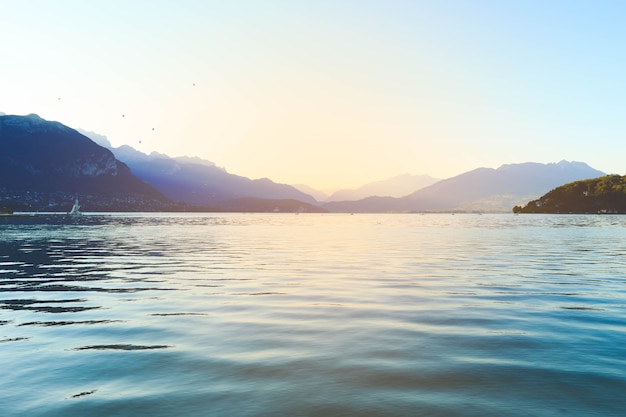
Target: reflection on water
[[161, 315], [121, 347]]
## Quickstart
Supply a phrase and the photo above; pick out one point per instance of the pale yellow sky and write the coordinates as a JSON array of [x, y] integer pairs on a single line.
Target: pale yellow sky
[[329, 94]]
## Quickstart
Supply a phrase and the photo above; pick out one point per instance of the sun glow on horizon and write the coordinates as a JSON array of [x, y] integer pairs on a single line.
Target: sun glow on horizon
[[323, 93]]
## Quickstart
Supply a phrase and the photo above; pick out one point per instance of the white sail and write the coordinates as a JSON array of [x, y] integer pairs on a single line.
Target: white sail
[[75, 209]]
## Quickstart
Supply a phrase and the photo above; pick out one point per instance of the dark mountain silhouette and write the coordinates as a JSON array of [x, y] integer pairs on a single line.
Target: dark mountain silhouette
[[605, 194], [483, 189], [196, 181], [46, 165]]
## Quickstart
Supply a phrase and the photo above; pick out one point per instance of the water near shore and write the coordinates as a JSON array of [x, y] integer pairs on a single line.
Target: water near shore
[[313, 315]]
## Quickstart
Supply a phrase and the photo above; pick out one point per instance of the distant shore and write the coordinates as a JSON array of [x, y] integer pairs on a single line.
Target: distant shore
[[33, 214]]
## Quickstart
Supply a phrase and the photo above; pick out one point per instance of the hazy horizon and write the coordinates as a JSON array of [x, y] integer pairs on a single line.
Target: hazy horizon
[[328, 192], [328, 94]]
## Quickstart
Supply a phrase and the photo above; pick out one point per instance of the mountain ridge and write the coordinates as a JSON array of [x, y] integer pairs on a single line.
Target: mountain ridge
[[45, 163], [505, 187], [198, 181], [397, 186], [77, 165]]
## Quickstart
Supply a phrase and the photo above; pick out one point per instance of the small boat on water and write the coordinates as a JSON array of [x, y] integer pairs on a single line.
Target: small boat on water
[[44, 216], [75, 211]]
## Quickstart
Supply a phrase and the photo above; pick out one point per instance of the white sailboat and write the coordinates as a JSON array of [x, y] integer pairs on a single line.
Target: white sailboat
[[75, 211]]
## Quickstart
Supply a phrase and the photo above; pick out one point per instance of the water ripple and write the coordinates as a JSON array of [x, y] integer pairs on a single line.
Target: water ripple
[[233, 314], [122, 347]]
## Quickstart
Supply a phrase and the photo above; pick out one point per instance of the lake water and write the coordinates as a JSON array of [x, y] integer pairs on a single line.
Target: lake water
[[313, 315]]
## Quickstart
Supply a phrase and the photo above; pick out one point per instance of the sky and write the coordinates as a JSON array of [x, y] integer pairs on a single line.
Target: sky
[[332, 93]]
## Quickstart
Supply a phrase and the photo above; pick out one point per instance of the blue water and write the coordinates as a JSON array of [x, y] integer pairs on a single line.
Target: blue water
[[313, 315]]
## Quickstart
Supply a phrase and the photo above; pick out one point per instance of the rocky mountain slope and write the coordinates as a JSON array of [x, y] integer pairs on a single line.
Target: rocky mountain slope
[[45, 165]]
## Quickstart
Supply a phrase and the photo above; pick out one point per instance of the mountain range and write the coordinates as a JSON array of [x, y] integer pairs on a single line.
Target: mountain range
[[397, 186], [45, 164], [197, 181], [482, 189]]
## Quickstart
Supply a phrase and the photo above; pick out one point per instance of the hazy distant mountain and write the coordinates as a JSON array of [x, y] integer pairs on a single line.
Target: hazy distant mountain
[[513, 182], [197, 181], [372, 204], [264, 205], [316, 194], [398, 186], [483, 189], [46, 165]]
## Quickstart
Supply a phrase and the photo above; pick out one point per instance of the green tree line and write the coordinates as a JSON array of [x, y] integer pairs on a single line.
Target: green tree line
[[605, 194]]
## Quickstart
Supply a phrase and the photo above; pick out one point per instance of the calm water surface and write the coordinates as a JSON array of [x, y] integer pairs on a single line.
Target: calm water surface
[[313, 315]]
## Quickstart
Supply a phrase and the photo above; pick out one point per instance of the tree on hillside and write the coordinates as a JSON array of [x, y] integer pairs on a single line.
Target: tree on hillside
[[605, 194]]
